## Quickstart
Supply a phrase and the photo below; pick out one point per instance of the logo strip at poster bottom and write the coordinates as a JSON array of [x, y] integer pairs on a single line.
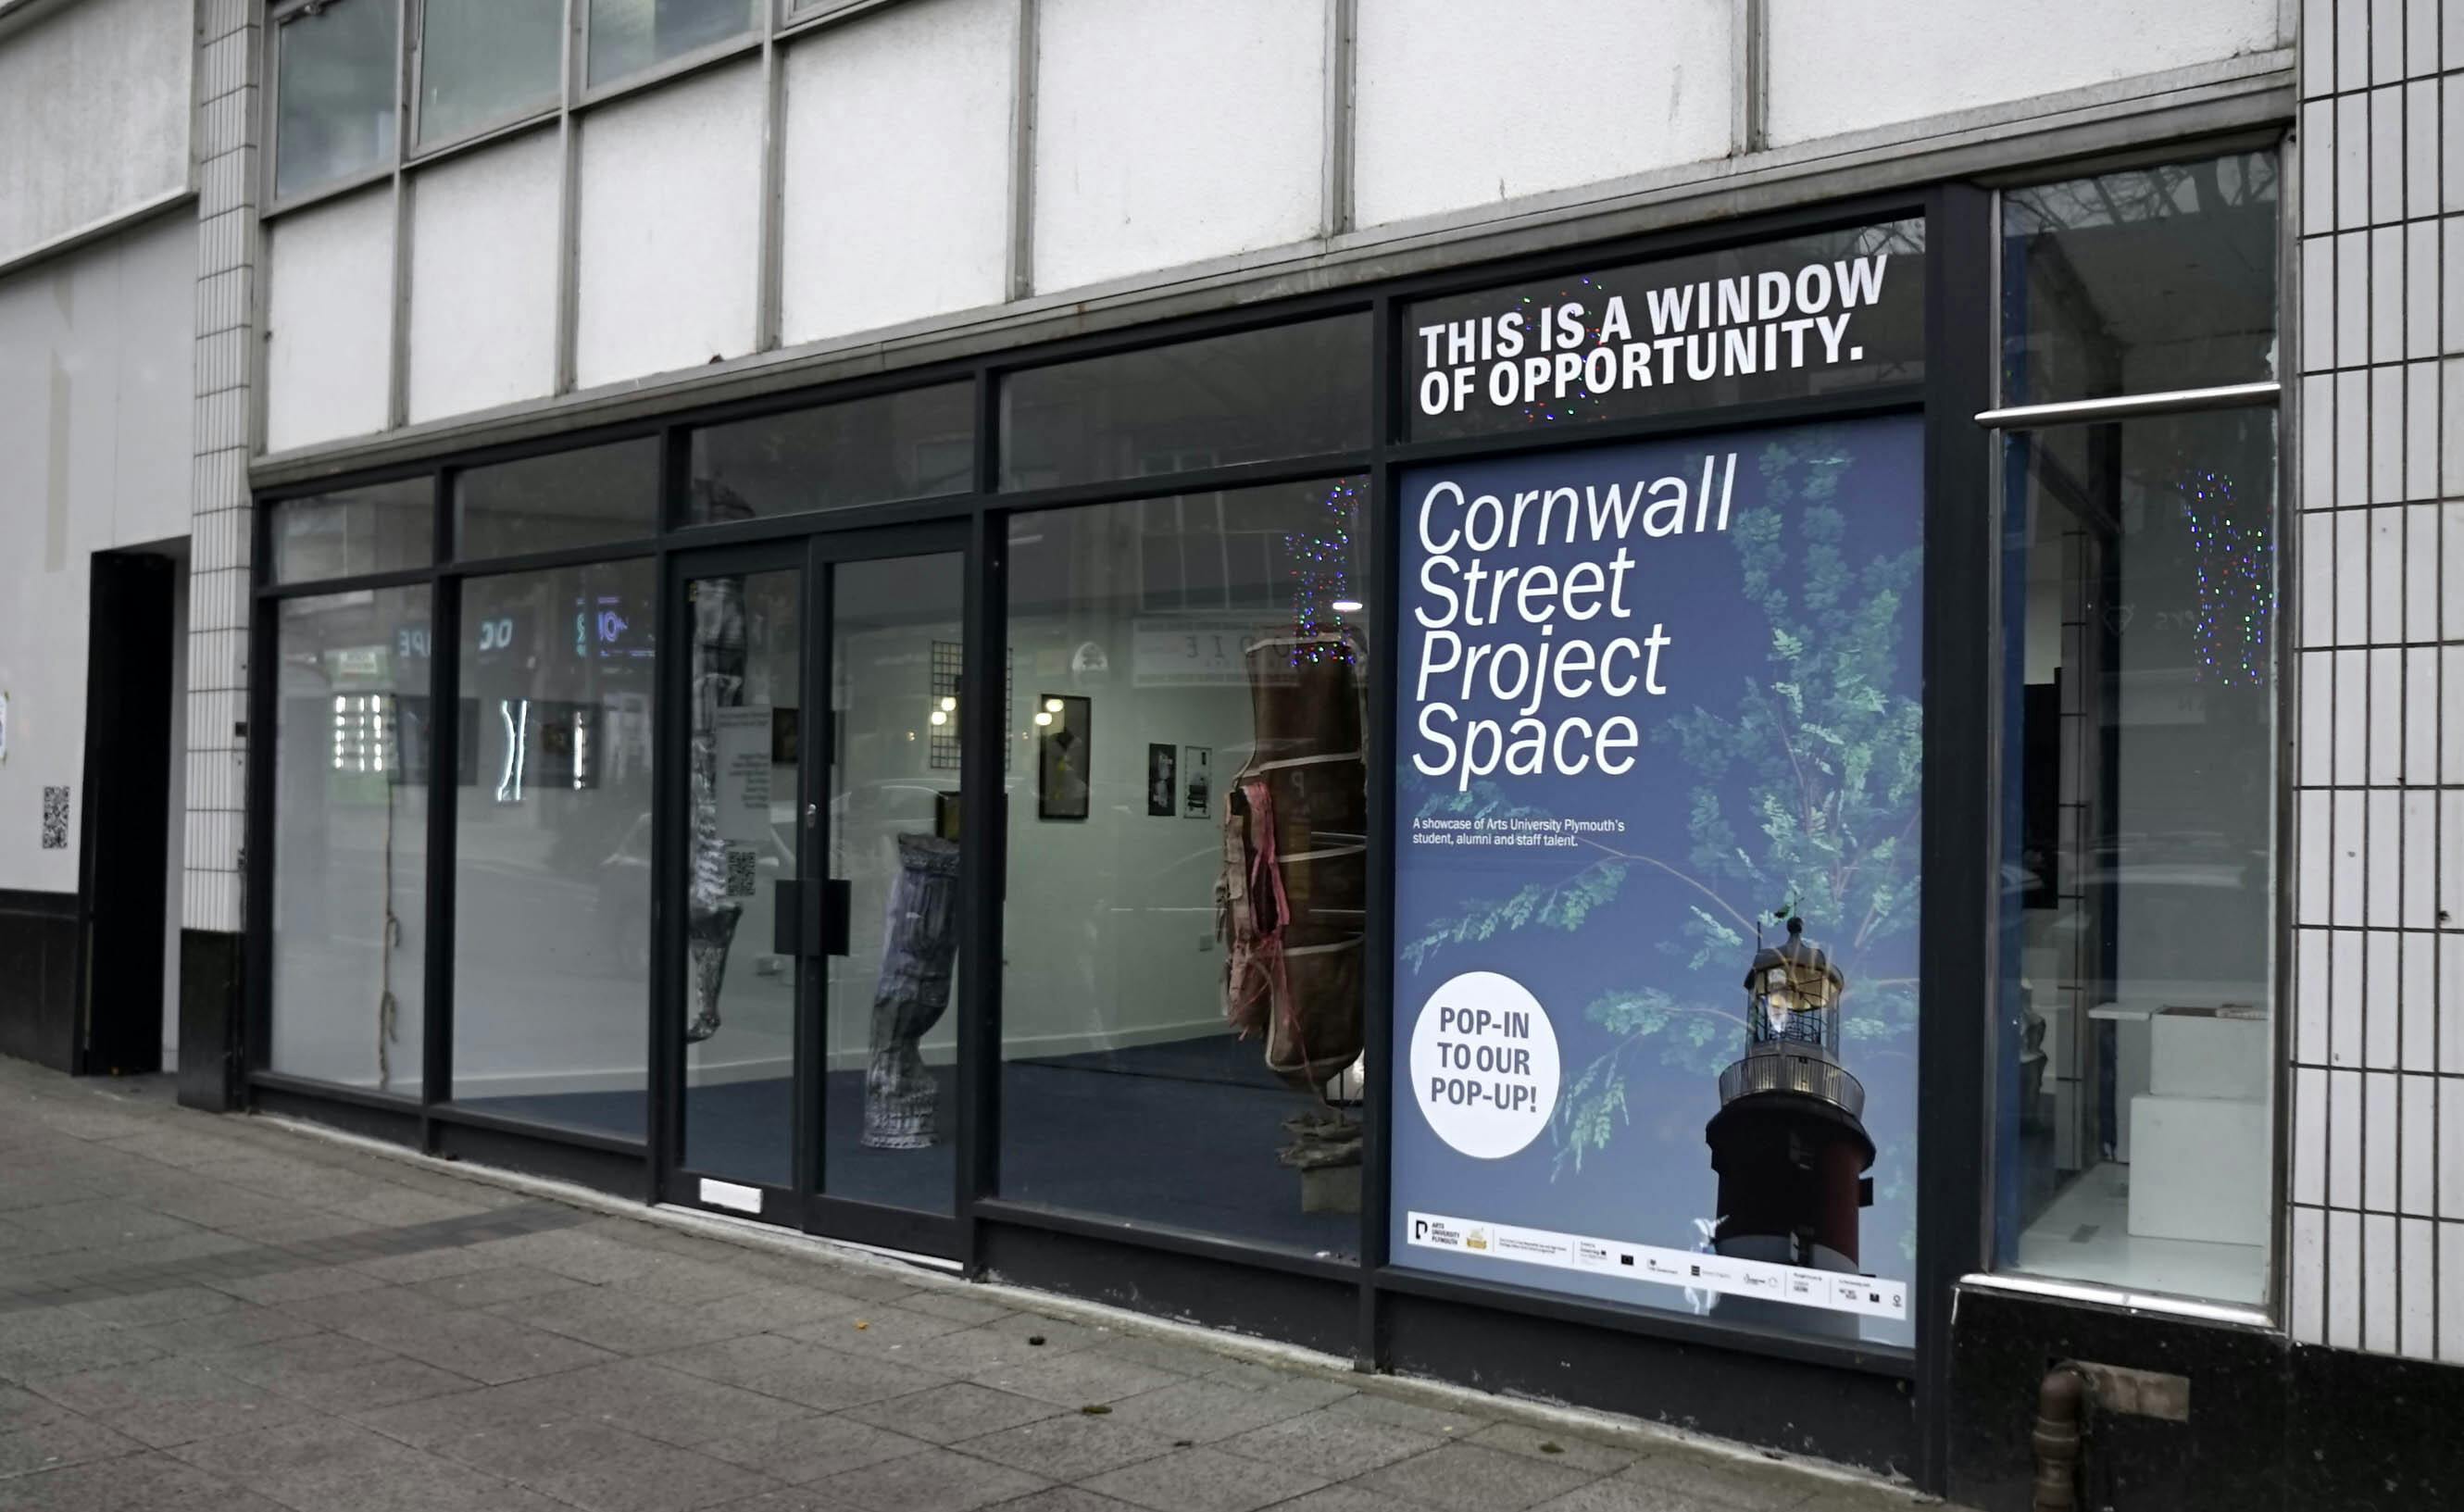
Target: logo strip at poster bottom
[[1832, 1291]]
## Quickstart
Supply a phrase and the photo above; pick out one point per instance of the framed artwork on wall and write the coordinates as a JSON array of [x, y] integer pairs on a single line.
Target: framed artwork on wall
[[1163, 790], [1064, 755]]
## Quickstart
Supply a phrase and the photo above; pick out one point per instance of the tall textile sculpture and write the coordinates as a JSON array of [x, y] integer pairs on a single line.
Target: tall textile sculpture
[[919, 941], [718, 683], [1292, 901]]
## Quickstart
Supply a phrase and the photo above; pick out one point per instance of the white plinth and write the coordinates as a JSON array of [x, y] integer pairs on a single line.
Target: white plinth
[[2197, 1056], [2199, 1169]]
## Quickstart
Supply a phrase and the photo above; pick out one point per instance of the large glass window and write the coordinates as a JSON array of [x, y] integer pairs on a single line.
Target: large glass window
[[569, 499], [1187, 855], [1287, 391], [2139, 282], [483, 61], [909, 445], [551, 850], [2137, 1040], [351, 752], [629, 36], [379, 528], [335, 75]]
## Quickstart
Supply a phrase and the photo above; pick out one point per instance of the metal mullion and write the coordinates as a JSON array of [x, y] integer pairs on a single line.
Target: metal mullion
[[853, 519], [1377, 948], [631, 550], [768, 293], [569, 202], [512, 124], [1335, 166], [444, 779], [262, 701], [1020, 273], [984, 830], [575, 1135], [814, 830], [667, 70]]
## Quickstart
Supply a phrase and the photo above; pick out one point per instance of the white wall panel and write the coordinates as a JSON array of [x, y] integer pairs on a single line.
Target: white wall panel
[[671, 194], [483, 277], [897, 167], [1844, 65], [329, 320], [1168, 134], [94, 420], [94, 113], [1458, 105]]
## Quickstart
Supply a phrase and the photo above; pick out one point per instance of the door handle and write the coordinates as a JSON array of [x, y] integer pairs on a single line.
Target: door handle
[[837, 910], [786, 916]]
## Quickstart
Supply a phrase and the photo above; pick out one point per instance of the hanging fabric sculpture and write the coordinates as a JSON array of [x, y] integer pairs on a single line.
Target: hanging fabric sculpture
[[1291, 902], [919, 941], [710, 915]]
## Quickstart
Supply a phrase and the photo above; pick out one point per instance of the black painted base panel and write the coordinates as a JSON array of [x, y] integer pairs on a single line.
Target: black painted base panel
[[211, 1009], [38, 983], [1314, 1312], [2272, 1426]]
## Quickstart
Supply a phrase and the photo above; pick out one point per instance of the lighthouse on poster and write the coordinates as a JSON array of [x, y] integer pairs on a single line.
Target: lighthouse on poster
[[1788, 1142]]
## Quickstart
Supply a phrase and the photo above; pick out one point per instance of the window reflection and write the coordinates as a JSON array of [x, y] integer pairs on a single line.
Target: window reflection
[[334, 84], [1186, 907]]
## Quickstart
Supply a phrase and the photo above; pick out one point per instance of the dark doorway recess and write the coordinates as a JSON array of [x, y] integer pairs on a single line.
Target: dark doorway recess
[[126, 805]]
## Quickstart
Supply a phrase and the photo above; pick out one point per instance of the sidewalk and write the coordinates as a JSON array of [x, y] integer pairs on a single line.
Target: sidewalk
[[224, 1315]]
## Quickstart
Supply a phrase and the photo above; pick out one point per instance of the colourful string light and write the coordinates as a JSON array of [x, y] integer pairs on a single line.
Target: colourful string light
[[1578, 406], [2236, 565], [1321, 559]]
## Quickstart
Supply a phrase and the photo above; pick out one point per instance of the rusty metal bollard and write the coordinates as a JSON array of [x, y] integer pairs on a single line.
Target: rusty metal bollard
[[2059, 1401]]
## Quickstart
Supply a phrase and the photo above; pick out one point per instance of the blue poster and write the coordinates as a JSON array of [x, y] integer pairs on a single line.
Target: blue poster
[[1657, 772]]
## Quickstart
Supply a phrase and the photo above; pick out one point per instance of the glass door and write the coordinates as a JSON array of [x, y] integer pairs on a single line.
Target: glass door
[[816, 924]]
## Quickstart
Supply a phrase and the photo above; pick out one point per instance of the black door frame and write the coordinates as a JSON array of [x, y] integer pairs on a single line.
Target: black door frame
[[805, 1204]]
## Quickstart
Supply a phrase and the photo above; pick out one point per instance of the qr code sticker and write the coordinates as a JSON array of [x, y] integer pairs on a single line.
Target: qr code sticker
[[743, 869], [55, 818]]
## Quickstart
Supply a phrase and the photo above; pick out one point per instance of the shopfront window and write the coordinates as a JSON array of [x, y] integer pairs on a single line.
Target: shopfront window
[[2137, 1035], [379, 528], [1254, 396], [552, 845], [1188, 861], [335, 72], [351, 752], [917, 444], [566, 499]]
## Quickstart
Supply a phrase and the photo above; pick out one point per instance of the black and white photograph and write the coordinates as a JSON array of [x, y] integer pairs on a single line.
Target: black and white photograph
[[1162, 797], [1197, 781]]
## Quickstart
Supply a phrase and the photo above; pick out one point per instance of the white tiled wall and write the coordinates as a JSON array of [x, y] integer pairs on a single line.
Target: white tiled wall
[[2377, 1258], [218, 497]]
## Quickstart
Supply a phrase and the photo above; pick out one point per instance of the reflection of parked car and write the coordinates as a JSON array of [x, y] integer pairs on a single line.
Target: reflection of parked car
[[621, 903]]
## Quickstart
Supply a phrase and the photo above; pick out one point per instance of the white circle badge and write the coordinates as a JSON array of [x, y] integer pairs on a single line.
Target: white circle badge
[[1485, 1065]]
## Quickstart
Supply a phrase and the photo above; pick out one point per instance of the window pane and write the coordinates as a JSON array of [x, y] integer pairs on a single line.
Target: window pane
[[1181, 664], [570, 498], [1288, 391], [552, 845], [379, 528], [2139, 282], [629, 36], [350, 837], [2136, 1028], [910, 444], [336, 87], [486, 60]]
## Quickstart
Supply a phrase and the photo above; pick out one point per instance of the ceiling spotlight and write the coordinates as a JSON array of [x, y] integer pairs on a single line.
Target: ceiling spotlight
[[1043, 716], [1052, 705], [949, 702], [941, 717]]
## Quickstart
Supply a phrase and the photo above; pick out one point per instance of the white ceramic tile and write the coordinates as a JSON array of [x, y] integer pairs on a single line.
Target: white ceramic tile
[[2421, 571], [2450, 337], [2421, 37], [2317, 303], [2318, 48], [2379, 1261], [2381, 1143], [2347, 1007], [2352, 161], [2352, 684], [2319, 168], [2386, 299], [2386, 149], [2314, 879], [2421, 276], [2310, 949], [2386, 712], [2451, 1292], [2420, 1047], [2451, 422], [2386, 535], [2451, 715], [2420, 906], [2307, 1271], [2421, 431], [2352, 812], [2314, 753], [2451, 1148], [2451, 107], [2318, 442], [2451, 37], [2352, 307], [2450, 571], [2383, 1025], [2421, 717], [2352, 44], [2344, 1138], [2310, 1135], [2417, 1173], [2353, 590], [2417, 1283], [2383, 858], [2345, 1279]]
